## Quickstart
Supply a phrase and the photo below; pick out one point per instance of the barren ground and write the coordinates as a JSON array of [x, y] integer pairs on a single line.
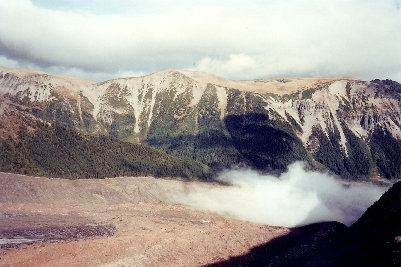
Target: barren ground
[[114, 222]]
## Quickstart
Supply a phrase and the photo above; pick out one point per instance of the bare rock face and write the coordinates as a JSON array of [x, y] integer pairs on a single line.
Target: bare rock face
[[349, 126]]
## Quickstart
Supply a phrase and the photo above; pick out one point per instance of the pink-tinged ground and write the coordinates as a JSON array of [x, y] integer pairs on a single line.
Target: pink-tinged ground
[[115, 222]]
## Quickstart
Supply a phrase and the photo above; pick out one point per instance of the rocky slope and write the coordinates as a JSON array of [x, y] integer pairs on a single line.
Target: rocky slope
[[349, 126]]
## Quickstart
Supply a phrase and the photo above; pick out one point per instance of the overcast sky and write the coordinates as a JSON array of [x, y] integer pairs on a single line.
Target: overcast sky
[[237, 39]]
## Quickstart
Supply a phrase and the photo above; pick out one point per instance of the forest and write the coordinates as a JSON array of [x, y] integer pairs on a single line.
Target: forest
[[55, 151]]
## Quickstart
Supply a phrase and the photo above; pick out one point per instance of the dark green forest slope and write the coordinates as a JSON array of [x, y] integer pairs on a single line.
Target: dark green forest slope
[[58, 152]]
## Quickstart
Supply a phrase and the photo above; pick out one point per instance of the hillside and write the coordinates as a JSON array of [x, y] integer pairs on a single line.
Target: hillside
[[58, 152], [347, 126]]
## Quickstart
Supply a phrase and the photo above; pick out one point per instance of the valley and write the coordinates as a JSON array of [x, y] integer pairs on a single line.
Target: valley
[[139, 221], [184, 168], [115, 222], [200, 133]]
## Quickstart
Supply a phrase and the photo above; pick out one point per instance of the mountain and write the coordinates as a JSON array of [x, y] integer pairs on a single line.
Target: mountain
[[347, 126]]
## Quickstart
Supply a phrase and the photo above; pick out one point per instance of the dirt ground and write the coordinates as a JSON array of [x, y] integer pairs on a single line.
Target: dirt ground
[[114, 222]]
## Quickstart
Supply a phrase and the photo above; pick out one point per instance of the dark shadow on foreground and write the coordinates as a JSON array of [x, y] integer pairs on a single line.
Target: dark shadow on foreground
[[373, 240]]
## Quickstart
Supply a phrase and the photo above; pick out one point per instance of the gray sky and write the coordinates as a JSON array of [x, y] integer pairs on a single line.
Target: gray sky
[[236, 39]]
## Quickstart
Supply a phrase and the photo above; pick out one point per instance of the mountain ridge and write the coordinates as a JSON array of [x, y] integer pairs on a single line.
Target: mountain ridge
[[338, 123], [198, 76]]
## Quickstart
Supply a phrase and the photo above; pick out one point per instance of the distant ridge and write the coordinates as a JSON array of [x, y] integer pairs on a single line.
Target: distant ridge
[[268, 85], [347, 126]]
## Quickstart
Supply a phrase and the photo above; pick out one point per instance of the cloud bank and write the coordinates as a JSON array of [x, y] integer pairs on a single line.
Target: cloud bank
[[235, 39], [297, 197]]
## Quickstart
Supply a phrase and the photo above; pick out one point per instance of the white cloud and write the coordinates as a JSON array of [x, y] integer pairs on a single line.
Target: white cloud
[[239, 66], [297, 197], [236, 39]]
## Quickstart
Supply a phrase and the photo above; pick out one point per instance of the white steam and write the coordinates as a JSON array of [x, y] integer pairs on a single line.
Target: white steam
[[295, 198]]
